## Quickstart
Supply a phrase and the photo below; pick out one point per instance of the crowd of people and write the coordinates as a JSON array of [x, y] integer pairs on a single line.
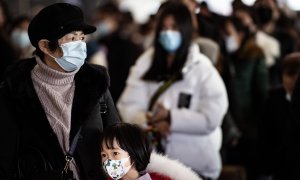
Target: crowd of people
[[108, 99]]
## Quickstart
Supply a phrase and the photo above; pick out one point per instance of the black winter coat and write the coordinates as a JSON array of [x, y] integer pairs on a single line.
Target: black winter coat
[[273, 128], [289, 169], [26, 134]]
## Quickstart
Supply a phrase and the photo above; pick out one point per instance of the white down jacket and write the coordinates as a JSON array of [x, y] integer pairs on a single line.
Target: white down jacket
[[195, 137]]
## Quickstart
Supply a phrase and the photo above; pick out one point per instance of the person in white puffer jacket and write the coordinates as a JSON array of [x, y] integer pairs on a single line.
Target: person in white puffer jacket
[[189, 113]]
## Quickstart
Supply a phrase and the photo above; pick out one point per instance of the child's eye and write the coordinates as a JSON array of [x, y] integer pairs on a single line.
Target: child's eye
[[82, 38], [73, 38], [103, 155], [115, 153]]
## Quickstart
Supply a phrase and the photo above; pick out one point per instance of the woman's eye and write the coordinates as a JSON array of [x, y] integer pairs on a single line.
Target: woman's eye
[[73, 38], [115, 153], [82, 38]]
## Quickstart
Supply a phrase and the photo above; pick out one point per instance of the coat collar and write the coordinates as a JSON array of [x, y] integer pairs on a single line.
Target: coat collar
[[192, 58], [91, 82]]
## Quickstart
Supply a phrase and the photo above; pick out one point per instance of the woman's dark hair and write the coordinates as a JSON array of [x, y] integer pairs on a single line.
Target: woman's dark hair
[[132, 139], [52, 45], [158, 70], [16, 22], [109, 8], [6, 13], [241, 27], [263, 15], [290, 65]]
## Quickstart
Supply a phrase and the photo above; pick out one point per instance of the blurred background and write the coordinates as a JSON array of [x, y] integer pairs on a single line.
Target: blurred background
[[232, 33], [141, 9]]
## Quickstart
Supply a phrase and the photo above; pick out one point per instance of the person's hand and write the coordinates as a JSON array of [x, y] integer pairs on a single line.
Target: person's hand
[[160, 113], [163, 127], [160, 119]]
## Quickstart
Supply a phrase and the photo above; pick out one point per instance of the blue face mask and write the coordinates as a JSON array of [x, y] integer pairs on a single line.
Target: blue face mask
[[20, 38], [74, 54], [103, 29], [170, 40]]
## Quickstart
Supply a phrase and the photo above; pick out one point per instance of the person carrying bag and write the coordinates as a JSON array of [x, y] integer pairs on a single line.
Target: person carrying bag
[[51, 104]]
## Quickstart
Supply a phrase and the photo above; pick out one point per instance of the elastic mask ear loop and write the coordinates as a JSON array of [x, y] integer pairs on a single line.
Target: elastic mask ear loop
[[127, 168], [55, 58], [52, 57]]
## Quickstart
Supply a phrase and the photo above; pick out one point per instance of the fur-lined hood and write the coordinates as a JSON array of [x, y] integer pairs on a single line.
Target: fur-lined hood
[[250, 50], [172, 168]]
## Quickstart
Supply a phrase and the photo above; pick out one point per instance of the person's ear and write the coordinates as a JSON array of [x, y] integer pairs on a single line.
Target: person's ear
[[43, 46]]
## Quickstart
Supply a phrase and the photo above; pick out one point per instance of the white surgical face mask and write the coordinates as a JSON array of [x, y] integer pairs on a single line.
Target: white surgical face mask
[[74, 54], [231, 44], [20, 38], [116, 168]]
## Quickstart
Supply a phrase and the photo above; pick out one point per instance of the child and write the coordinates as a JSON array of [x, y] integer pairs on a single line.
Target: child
[[126, 155]]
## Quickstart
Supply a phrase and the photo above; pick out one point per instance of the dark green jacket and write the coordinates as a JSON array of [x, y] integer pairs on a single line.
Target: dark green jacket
[[250, 86]]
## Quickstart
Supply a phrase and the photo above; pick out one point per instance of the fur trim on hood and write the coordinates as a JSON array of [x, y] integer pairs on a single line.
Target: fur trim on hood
[[251, 51], [172, 168]]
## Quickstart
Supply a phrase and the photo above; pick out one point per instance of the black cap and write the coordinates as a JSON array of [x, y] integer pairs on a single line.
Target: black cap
[[55, 21]]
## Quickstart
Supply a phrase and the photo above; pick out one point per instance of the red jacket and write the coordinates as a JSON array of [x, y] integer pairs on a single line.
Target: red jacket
[[155, 176]]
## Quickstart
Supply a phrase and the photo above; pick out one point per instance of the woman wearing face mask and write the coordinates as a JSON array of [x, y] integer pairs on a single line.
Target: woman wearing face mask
[[19, 36], [187, 112], [248, 77], [54, 106], [126, 155]]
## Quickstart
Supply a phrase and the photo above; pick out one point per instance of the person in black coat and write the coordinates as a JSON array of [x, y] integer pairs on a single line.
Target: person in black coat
[[7, 55], [275, 125], [121, 52], [52, 99], [289, 168]]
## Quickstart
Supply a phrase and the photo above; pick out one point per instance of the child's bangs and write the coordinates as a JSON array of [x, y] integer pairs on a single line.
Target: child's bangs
[[109, 142]]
